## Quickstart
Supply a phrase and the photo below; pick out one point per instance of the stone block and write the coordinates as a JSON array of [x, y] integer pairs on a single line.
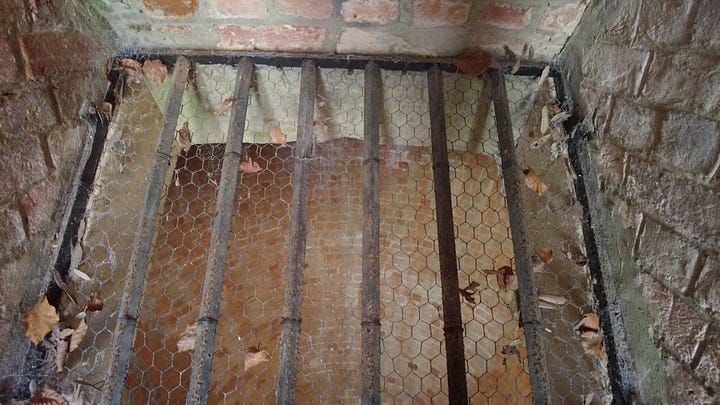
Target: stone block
[[30, 112], [657, 298], [676, 200], [11, 227], [48, 53], [40, 203], [707, 291], [504, 15], [22, 165], [667, 255], [8, 64], [171, 8], [610, 164], [689, 143], [684, 81], [562, 19], [286, 38], [708, 368], [684, 389], [632, 126], [237, 8], [71, 89], [596, 105], [370, 11], [705, 30], [666, 22], [684, 330], [436, 13], [314, 9], [616, 68]]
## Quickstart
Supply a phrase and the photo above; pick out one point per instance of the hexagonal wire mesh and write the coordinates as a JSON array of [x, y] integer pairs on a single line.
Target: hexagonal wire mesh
[[413, 364]]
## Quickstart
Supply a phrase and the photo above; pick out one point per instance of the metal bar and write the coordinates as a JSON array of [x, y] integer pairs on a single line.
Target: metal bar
[[527, 285], [291, 321], [453, 326], [225, 208], [129, 306], [371, 240]]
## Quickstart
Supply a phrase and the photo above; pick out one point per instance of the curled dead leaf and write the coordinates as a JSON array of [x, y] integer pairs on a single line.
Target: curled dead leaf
[[534, 182], [469, 292], [588, 328], [184, 137], [276, 136], [40, 320], [546, 255], [474, 62], [249, 166], [553, 299], [77, 335], [154, 70], [187, 339], [225, 106], [132, 68], [61, 351], [94, 303], [47, 397], [253, 359], [504, 275], [537, 264]]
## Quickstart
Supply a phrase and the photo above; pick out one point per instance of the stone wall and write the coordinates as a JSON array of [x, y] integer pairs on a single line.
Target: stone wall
[[385, 27], [51, 58], [648, 84]]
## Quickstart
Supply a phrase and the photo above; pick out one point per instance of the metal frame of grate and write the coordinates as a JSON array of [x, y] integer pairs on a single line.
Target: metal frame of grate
[[291, 321]]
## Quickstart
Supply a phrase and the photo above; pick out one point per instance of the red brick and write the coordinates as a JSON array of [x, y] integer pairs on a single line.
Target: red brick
[[355, 40], [370, 11], [12, 15], [8, 65], [71, 89], [22, 164], [65, 146], [11, 226], [505, 16], [48, 53], [434, 13], [238, 8], [285, 38], [172, 8], [563, 19], [39, 204], [306, 8]]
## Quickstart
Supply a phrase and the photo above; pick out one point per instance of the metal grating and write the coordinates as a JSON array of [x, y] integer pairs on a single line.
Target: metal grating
[[340, 257]]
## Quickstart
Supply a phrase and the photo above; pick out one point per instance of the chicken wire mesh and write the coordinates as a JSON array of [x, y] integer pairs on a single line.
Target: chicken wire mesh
[[413, 363]]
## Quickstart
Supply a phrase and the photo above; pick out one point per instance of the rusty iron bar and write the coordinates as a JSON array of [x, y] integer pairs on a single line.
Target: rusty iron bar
[[453, 326], [527, 284], [371, 240], [291, 320], [139, 263], [225, 208]]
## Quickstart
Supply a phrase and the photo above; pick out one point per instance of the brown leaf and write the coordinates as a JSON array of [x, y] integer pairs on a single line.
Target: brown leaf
[[588, 322], [538, 265], [253, 359], [40, 320], [277, 136], [593, 343], [47, 397], [94, 303], [77, 335], [534, 182], [504, 275], [155, 70], [61, 352], [321, 124], [184, 137], [248, 166], [132, 68], [225, 107], [546, 255], [473, 61], [187, 339]]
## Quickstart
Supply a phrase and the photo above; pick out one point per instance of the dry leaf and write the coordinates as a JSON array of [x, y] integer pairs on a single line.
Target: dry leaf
[[546, 255], [469, 292], [553, 299], [321, 124], [253, 359], [543, 76], [474, 62], [534, 182], [184, 137], [94, 303], [132, 68], [61, 351], [47, 397], [544, 120], [225, 107], [248, 166], [277, 136], [588, 322], [81, 275], [187, 339], [155, 70], [537, 264], [588, 328], [560, 117], [40, 320], [77, 335], [504, 274]]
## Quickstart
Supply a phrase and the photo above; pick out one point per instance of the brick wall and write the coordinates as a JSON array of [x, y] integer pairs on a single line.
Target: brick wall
[[388, 27], [51, 54], [648, 84]]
